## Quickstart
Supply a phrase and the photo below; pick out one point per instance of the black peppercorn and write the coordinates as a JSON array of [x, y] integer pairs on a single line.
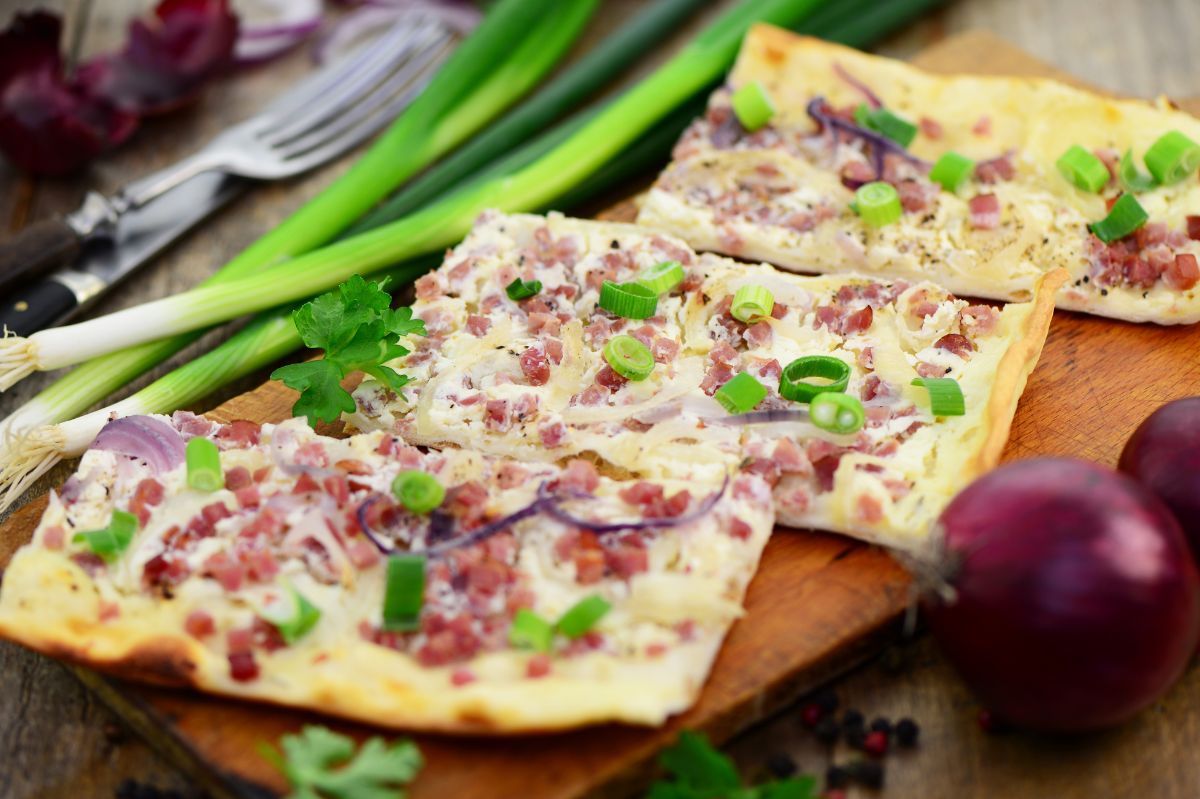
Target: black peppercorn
[[907, 732]]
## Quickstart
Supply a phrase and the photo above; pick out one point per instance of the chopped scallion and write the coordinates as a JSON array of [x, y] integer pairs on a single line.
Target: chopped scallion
[[793, 383], [629, 357], [404, 592], [741, 394], [1083, 169], [886, 123], [945, 395], [204, 465], [1172, 158], [628, 300], [1126, 216], [751, 302], [292, 615], [877, 203], [111, 540], [753, 106], [583, 615], [530, 631], [1132, 179], [661, 278], [951, 170], [417, 491], [836, 412], [522, 289]]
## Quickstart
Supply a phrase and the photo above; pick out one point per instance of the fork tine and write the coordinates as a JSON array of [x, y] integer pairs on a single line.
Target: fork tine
[[369, 124], [350, 91], [369, 104]]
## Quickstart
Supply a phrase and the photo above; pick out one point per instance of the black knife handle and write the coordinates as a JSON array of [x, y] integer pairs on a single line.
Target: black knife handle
[[40, 248], [33, 308]]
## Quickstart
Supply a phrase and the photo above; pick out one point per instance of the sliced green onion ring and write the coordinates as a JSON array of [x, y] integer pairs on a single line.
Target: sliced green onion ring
[[1131, 179], [878, 203], [1172, 158], [1126, 216], [203, 465], [753, 106], [836, 412], [583, 615], [293, 616], [417, 491], [751, 302], [951, 170], [404, 593], [629, 357], [530, 631], [741, 394], [661, 278], [110, 541], [628, 300], [522, 289], [1083, 169], [886, 123], [793, 383], [945, 395]]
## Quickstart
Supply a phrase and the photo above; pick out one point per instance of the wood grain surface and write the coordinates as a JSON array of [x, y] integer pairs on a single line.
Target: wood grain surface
[[59, 742]]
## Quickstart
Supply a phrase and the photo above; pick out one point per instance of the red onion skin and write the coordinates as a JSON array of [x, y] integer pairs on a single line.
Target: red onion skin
[[1163, 454], [1077, 604]]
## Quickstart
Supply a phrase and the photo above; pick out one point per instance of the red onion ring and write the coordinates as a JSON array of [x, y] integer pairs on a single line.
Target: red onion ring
[[145, 438], [376, 15], [880, 144], [872, 98], [293, 21]]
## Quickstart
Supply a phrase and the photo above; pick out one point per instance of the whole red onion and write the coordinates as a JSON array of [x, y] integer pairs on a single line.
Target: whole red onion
[[1076, 603], [1163, 454]]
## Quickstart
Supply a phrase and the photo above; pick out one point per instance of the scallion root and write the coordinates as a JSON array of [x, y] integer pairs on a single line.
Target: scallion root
[[18, 360], [28, 454]]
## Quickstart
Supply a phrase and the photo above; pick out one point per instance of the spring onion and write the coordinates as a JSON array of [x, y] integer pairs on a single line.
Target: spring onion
[[886, 123], [661, 278], [418, 491], [877, 203], [1131, 179], [1126, 216], [951, 170], [1172, 158], [530, 631], [291, 614], [110, 541], [522, 289], [204, 465], [945, 395], [1083, 169], [583, 615], [740, 394], [628, 300], [404, 592], [629, 357], [751, 302], [794, 382], [836, 412], [752, 105]]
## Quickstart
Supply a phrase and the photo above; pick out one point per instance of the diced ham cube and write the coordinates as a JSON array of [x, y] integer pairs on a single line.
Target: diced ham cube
[[478, 326], [199, 624], [985, 211], [1182, 273]]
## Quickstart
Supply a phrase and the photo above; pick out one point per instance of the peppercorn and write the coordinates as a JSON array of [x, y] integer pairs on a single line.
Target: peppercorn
[[907, 732], [827, 731], [826, 699], [881, 725], [866, 772], [836, 777], [876, 743], [852, 719], [810, 714], [781, 765]]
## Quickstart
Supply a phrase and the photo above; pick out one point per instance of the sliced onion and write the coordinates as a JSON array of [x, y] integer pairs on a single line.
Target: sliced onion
[[880, 144], [763, 417], [703, 509], [145, 438], [376, 16], [270, 28], [872, 98]]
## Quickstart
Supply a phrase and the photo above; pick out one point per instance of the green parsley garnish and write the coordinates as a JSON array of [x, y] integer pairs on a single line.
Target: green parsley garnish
[[698, 771], [321, 764], [358, 330]]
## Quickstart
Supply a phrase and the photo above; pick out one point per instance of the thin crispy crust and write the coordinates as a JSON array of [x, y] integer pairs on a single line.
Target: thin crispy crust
[[1037, 118]]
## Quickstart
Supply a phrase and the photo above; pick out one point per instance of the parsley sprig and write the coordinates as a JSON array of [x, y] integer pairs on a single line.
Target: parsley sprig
[[321, 764], [698, 771], [358, 330]]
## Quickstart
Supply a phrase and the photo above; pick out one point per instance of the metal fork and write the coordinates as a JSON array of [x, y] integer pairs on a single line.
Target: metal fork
[[323, 116]]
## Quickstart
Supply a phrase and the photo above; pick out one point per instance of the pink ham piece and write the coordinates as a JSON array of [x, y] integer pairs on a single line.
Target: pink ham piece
[[1183, 272], [985, 211]]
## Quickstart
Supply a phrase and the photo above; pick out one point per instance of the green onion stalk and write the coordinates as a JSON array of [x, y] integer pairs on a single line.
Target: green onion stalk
[[272, 335], [515, 45]]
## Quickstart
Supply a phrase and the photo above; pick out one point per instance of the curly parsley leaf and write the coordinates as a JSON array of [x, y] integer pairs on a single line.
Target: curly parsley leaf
[[358, 329], [321, 764], [698, 771]]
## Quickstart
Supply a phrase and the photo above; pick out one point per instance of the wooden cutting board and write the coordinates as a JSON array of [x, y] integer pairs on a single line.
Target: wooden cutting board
[[819, 604]]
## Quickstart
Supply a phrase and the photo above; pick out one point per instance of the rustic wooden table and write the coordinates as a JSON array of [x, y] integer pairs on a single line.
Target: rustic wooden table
[[57, 741]]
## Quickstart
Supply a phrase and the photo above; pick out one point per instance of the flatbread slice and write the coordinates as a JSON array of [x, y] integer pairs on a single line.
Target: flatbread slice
[[187, 601], [782, 194], [528, 379]]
